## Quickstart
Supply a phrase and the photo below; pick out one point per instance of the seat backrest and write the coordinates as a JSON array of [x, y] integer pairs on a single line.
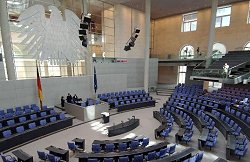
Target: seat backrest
[[172, 149], [96, 148], [33, 116], [19, 109], [151, 155], [43, 114], [32, 125], [92, 160], [138, 158], [20, 129], [122, 147], [52, 119], [109, 147], [7, 133], [108, 160], [145, 142], [10, 122], [71, 145], [62, 115], [43, 122], [52, 158], [10, 110], [42, 155], [22, 119], [123, 159]]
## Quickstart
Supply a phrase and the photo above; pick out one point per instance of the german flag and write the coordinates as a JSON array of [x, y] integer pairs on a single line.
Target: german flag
[[39, 87]]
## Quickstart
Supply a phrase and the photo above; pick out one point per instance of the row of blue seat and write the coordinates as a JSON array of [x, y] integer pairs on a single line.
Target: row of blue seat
[[133, 101], [196, 158], [120, 94], [240, 115], [96, 148], [112, 100], [241, 147], [90, 103], [22, 119], [170, 122], [231, 123], [140, 158], [20, 129]]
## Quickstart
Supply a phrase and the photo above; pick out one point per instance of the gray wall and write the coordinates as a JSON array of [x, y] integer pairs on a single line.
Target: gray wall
[[134, 69], [23, 92]]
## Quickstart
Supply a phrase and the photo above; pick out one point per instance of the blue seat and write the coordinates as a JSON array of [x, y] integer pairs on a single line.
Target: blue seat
[[243, 116], [96, 148], [238, 113], [35, 108], [22, 119], [8, 115], [1, 125], [72, 146], [108, 160], [53, 158], [62, 116], [44, 107], [10, 122], [145, 142], [150, 156], [20, 129], [123, 159], [199, 156], [2, 112], [43, 122], [18, 113], [8, 158], [109, 147], [42, 155], [19, 109], [241, 153], [134, 145], [32, 125], [192, 159], [122, 146], [52, 119], [52, 112], [10, 110], [43, 114], [28, 110], [7, 133], [138, 158], [33, 116], [172, 149], [163, 152], [165, 133]]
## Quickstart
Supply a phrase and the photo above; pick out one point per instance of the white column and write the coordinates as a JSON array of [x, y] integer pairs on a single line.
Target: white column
[[5, 31], [147, 43], [211, 38]]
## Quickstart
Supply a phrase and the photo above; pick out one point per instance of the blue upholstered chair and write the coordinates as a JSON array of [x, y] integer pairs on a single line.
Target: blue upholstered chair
[[7, 133], [10, 122], [43, 122], [138, 158], [199, 156], [8, 158], [134, 145], [22, 119], [150, 156], [145, 142], [122, 146], [172, 149], [33, 116], [42, 155], [123, 159], [52, 119], [43, 114], [32, 125], [108, 160], [109, 147], [163, 152], [20, 129], [72, 146], [53, 158], [96, 148]]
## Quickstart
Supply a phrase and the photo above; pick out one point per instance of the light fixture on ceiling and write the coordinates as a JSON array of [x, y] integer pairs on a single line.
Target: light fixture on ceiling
[[13, 2]]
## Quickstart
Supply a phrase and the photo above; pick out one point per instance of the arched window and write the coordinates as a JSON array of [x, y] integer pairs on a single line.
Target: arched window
[[187, 52], [247, 46], [219, 50]]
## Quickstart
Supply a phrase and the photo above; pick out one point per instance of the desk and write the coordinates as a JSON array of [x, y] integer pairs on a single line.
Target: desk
[[83, 156], [200, 124], [80, 143], [202, 139], [63, 154], [178, 119], [135, 105], [178, 156], [231, 143], [22, 156], [223, 127], [162, 119], [243, 124], [105, 117], [123, 127], [179, 135], [117, 141]]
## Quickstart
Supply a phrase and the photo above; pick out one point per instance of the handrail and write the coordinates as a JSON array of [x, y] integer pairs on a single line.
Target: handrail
[[238, 65], [205, 60]]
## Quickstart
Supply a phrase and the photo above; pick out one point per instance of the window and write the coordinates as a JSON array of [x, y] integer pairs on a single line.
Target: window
[[219, 50], [187, 52], [214, 85], [223, 16], [189, 22], [182, 74], [247, 47]]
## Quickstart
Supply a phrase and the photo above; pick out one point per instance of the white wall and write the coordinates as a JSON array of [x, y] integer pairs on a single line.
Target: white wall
[[125, 18], [133, 69], [2, 73], [23, 92]]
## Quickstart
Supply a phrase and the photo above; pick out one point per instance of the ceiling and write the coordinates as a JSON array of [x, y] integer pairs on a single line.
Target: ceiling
[[164, 8]]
